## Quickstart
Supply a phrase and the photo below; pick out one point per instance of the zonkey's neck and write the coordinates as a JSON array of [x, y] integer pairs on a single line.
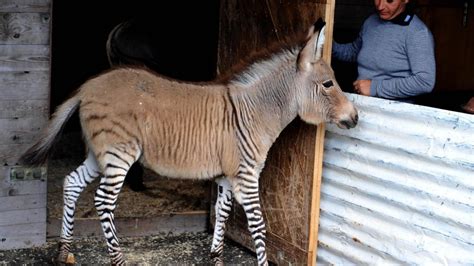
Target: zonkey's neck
[[266, 106]]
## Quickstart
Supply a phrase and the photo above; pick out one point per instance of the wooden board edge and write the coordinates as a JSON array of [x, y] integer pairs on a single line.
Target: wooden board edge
[[316, 195], [196, 221], [329, 18], [319, 148], [21, 236]]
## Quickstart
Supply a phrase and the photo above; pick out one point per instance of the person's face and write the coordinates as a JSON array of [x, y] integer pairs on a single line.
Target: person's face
[[388, 9]]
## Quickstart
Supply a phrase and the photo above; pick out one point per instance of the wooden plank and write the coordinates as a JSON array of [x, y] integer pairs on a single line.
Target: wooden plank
[[444, 18], [250, 25], [316, 195], [17, 135], [22, 212], [24, 28], [27, 216], [24, 109], [25, 6], [24, 58], [143, 226], [22, 235], [22, 202], [319, 147], [329, 18], [18, 188], [10, 153], [23, 85], [12, 110]]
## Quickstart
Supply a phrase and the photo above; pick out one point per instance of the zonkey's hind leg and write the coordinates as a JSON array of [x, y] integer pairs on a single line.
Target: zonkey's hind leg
[[74, 184], [116, 163], [223, 208]]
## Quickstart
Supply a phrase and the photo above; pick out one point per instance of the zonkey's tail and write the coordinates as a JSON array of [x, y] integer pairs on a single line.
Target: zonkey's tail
[[39, 152]]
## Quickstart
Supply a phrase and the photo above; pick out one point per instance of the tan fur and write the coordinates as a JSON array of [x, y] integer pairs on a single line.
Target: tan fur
[[183, 130]]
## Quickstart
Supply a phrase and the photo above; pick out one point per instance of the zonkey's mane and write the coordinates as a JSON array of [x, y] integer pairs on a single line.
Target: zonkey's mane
[[286, 45]]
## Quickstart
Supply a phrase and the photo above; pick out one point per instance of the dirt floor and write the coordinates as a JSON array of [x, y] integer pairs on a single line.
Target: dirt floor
[[180, 249], [163, 196]]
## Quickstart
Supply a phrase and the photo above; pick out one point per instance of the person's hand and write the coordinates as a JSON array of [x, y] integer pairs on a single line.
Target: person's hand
[[362, 86]]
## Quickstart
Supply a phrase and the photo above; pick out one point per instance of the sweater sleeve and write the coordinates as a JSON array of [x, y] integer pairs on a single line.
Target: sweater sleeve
[[348, 51], [420, 52]]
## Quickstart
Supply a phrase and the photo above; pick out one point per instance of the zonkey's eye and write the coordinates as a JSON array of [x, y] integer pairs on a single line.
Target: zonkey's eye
[[327, 83]]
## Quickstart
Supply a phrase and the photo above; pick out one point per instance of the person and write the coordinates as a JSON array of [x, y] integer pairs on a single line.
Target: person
[[394, 52]]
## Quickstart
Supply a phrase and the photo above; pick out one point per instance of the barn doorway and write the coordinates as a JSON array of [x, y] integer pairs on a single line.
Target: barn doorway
[[79, 34]]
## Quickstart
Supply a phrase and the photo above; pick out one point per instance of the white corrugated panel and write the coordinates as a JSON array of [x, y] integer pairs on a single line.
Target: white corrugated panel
[[399, 187]]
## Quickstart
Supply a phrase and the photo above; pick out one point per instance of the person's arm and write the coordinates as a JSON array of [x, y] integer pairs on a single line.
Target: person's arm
[[347, 52], [420, 52]]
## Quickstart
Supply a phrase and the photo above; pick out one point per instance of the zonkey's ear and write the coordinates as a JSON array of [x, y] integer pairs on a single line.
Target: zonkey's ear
[[312, 50], [320, 44]]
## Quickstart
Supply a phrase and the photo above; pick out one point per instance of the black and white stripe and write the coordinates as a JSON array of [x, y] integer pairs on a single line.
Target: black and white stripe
[[117, 162], [74, 184], [223, 208], [250, 201]]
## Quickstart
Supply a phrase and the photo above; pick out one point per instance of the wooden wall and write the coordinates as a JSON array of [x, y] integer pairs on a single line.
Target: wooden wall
[[24, 103], [288, 180], [452, 25]]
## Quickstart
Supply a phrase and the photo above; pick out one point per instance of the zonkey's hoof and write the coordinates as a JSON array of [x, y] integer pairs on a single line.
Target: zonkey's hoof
[[70, 260]]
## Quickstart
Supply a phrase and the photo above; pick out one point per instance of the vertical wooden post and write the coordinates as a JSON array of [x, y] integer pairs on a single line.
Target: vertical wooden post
[[288, 202], [319, 147]]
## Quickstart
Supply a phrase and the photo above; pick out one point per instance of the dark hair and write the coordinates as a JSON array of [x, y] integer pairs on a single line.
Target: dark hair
[[411, 6]]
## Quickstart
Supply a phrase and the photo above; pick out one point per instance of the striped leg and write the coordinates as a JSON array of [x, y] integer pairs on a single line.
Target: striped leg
[[116, 164], [223, 208], [74, 184], [249, 199]]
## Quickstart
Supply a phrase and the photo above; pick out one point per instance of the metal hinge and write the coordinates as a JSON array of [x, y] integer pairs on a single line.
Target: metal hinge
[[18, 173]]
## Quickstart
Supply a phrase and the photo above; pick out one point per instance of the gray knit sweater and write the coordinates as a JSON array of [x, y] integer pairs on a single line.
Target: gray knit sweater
[[398, 59]]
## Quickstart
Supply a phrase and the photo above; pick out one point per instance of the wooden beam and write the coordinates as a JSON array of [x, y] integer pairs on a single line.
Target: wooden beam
[[176, 223], [25, 6], [26, 235], [25, 28], [319, 147], [330, 7]]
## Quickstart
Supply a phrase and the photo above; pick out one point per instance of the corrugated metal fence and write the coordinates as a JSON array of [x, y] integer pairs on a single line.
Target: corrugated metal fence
[[398, 188]]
